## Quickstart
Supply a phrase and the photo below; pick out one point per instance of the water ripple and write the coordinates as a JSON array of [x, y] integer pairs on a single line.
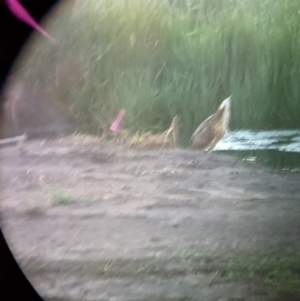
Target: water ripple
[[242, 140]]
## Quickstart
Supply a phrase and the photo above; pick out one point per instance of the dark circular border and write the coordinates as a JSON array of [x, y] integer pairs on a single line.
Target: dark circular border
[[13, 35]]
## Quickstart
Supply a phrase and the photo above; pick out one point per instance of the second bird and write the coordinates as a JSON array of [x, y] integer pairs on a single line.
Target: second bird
[[212, 129]]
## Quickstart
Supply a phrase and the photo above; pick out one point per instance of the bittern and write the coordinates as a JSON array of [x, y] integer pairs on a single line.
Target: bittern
[[212, 129]]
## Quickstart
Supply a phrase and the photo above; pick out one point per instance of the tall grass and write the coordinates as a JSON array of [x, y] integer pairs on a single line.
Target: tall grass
[[162, 58]]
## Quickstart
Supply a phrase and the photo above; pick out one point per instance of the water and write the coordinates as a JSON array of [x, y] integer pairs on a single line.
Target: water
[[279, 149]]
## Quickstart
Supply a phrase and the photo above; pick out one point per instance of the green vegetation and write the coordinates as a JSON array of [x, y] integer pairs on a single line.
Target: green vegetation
[[64, 197], [276, 274], [162, 58]]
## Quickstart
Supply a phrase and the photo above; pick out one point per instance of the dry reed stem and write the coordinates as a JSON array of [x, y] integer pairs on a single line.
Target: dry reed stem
[[148, 140]]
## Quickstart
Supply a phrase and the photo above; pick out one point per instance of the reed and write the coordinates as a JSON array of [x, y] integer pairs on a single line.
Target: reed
[[159, 58]]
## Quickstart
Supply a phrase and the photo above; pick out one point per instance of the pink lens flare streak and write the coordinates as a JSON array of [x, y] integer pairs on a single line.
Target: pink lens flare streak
[[21, 13], [116, 124]]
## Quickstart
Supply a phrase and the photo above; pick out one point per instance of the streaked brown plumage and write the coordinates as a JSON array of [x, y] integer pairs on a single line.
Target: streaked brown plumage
[[212, 129]]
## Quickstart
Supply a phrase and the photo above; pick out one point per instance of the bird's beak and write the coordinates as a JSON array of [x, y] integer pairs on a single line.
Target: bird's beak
[[228, 99], [226, 102]]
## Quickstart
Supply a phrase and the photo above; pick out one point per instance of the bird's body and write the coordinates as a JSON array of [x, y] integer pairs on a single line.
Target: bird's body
[[212, 129]]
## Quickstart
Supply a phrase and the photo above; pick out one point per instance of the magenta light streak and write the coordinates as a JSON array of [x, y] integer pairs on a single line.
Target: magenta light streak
[[20, 12], [115, 126]]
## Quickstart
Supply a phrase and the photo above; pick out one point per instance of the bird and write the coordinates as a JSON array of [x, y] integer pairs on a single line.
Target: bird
[[212, 129]]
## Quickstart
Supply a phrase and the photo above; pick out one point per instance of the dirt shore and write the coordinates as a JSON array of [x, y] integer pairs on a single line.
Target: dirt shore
[[89, 220]]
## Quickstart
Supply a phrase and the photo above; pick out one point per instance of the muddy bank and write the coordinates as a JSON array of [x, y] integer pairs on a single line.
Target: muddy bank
[[89, 220]]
